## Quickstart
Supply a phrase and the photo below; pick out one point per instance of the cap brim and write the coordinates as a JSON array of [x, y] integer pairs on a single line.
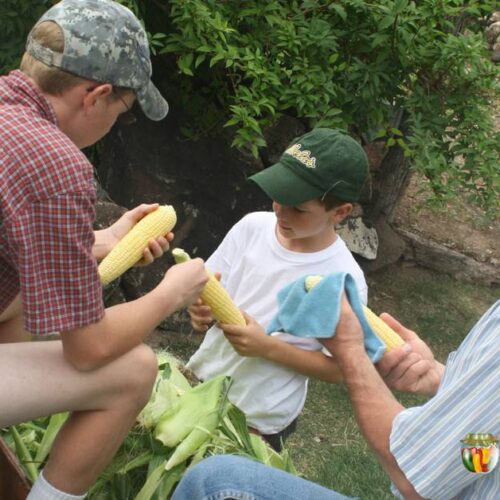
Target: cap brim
[[281, 184], [152, 102]]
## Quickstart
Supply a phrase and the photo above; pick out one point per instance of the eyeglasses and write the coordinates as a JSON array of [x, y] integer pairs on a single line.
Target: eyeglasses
[[127, 117]]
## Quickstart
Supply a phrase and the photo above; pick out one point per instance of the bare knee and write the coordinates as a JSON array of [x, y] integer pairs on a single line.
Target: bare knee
[[140, 375]]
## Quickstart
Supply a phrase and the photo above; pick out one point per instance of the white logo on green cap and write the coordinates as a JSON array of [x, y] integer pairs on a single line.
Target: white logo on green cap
[[304, 156]]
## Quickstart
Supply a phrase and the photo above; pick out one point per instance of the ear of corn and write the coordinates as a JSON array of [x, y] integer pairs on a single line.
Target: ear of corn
[[215, 296], [130, 249], [385, 333]]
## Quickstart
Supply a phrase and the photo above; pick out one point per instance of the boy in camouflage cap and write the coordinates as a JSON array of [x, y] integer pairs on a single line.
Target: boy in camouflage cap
[[86, 62], [103, 41]]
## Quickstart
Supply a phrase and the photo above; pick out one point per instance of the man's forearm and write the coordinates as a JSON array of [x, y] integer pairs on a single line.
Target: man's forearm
[[123, 327], [375, 408]]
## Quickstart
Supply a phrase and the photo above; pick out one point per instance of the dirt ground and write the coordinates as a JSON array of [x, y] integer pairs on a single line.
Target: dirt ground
[[459, 226]]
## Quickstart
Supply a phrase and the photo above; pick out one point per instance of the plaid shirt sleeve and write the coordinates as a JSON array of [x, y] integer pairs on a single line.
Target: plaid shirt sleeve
[[58, 275]]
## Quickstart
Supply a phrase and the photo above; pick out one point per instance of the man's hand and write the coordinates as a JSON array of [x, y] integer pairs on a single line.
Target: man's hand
[[348, 335], [185, 281], [412, 367], [249, 340], [108, 238]]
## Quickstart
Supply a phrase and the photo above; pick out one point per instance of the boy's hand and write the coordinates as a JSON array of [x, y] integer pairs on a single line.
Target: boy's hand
[[249, 340], [201, 314], [412, 367], [156, 247]]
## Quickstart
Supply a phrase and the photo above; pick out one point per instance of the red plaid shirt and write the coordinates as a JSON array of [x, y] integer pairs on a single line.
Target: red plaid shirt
[[47, 201]]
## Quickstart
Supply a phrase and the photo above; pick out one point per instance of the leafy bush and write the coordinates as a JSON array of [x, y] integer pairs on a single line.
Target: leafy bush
[[351, 64], [17, 18], [355, 65]]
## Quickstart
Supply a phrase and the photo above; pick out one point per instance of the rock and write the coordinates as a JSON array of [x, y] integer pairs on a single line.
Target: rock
[[359, 238], [107, 213], [492, 32], [438, 257], [391, 247], [204, 180]]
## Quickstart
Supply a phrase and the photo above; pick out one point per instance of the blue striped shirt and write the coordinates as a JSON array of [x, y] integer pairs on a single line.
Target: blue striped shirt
[[425, 440]]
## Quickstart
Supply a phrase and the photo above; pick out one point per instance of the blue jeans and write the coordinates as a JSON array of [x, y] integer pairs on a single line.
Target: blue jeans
[[228, 476]]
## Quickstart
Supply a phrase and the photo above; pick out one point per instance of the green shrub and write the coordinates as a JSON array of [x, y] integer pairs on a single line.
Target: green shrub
[[16, 19], [351, 64], [355, 65]]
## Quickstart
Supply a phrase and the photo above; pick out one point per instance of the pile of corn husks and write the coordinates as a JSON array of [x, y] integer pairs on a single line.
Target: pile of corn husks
[[181, 425]]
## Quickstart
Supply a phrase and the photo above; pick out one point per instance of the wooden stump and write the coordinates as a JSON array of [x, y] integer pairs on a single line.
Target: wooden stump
[[14, 485]]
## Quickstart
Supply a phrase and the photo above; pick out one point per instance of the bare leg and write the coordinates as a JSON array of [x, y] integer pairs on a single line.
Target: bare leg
[[36, 380]]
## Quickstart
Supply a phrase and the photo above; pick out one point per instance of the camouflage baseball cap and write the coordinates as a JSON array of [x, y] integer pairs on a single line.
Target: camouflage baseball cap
[[103, 41]]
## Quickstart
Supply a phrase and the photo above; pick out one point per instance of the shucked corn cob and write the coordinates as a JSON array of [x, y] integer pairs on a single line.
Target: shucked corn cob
[[130, 249], [215, 296], [386, 334]]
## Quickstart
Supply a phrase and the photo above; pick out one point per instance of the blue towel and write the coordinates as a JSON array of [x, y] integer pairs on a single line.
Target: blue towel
[[316, 313]]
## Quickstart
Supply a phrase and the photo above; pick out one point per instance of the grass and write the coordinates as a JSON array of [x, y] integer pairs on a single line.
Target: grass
[[327, 447]]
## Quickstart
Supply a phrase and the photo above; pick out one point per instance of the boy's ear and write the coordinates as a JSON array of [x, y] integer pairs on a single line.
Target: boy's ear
[[94, 93], [340, 212]]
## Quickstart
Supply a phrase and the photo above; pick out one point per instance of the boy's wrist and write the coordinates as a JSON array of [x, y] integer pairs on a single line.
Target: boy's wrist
[[271, 351]]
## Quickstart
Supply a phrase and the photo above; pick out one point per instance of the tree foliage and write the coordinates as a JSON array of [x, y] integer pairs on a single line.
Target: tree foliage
[[353, 64], [16, 20]]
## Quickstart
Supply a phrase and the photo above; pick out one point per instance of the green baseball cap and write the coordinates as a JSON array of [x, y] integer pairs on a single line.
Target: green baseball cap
[[317, 163]]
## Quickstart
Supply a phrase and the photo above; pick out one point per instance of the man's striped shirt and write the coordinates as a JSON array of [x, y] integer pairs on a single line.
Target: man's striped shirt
[[426, 440]]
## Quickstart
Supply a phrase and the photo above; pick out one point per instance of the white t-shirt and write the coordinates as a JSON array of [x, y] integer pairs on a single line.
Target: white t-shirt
[[254, 268]]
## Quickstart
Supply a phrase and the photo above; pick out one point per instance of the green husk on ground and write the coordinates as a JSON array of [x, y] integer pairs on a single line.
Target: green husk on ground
[[182, 424]]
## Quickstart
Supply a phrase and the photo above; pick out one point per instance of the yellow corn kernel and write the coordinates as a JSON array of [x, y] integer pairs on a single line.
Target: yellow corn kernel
[[130, 248], [215, 296], [386, 334]]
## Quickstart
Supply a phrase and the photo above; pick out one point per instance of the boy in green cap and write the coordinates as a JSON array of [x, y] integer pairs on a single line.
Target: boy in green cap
[[312, 187]]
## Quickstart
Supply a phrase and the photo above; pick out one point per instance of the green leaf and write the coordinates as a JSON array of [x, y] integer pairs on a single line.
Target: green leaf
[[184, 62], [339, 10], [153, 481], [215, 59], [55, 423], [386, 22], [199, 59]]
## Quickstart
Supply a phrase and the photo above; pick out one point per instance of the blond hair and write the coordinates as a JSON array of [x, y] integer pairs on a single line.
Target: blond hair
[[49, 79]]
